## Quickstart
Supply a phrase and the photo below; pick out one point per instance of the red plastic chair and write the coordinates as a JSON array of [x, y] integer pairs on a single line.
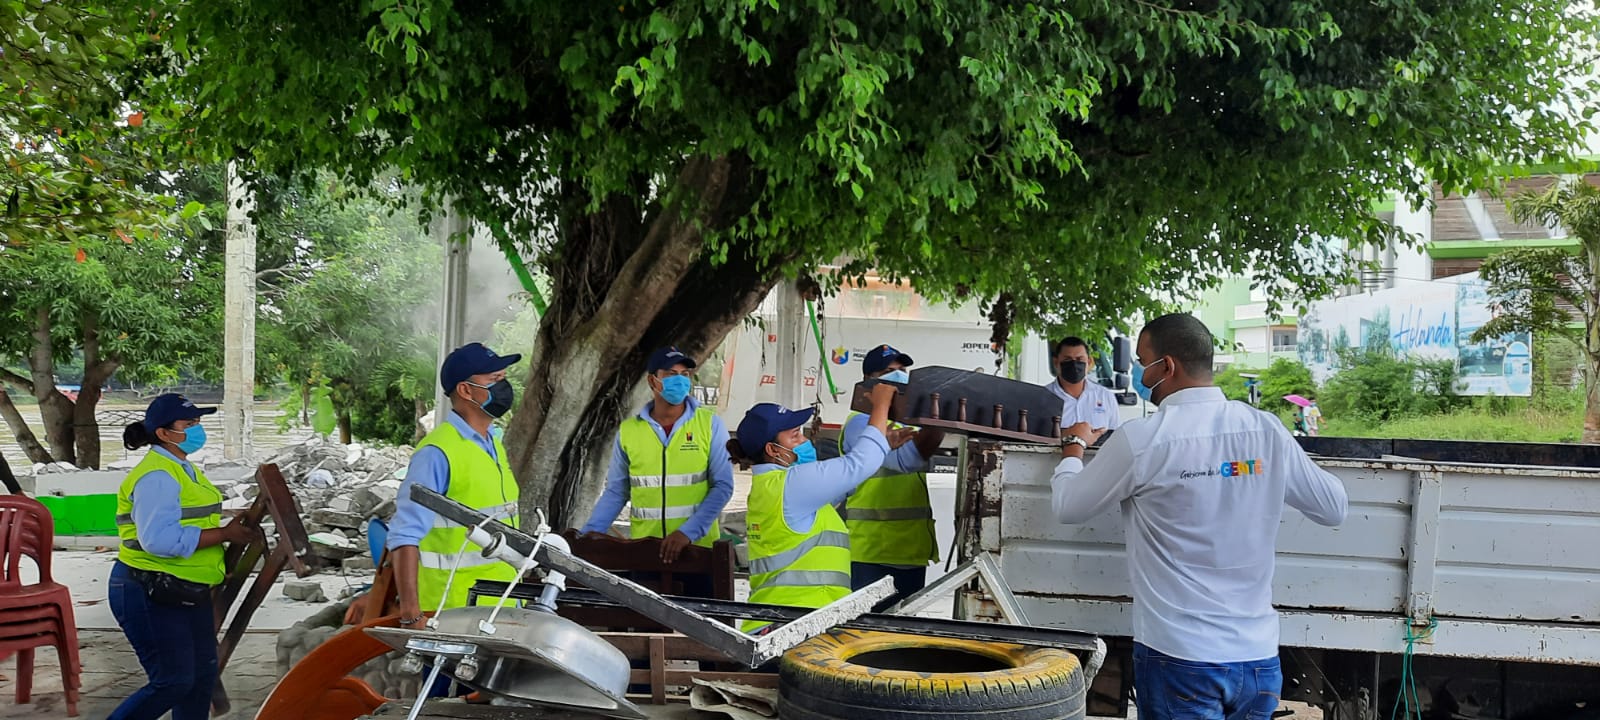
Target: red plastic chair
[[38, 614]]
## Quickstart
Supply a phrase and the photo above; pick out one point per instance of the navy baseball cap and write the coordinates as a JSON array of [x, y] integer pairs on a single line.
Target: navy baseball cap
[[170, 408], [878, 359], [665, 358], [472, 359], [763, 422]]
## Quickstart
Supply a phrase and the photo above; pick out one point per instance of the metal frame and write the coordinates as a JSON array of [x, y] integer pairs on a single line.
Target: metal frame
[[932, 627], [512, 546], [1422, 557], [982, 566]]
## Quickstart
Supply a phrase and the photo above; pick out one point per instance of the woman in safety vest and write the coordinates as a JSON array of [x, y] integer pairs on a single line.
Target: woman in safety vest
[[169, 524], [799, 546]]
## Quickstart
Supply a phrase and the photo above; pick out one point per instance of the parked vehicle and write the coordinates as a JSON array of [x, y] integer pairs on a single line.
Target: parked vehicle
[[1485, 555]]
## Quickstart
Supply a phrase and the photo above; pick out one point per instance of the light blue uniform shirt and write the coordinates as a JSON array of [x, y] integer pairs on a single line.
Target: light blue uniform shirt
[[903, 459], [618, 490], [157, 512], [431, 469], [810, 486]]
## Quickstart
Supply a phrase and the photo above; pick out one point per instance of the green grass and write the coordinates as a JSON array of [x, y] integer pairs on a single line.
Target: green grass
[[1528, 424]]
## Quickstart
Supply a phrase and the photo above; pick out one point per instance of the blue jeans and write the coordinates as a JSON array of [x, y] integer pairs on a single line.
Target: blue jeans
[[177, 647], [1167, 688], [906, 581]]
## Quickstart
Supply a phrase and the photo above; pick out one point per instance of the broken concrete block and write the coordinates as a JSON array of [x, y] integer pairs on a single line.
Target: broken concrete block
[[358, 563], [336, 519], [331, 540], [304, 591]]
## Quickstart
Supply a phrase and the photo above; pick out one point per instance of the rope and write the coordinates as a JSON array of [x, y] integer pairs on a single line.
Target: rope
[[1408, 679]]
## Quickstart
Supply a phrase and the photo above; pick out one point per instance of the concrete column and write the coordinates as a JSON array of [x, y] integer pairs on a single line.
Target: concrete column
[[791, 331], [239, 331], [451, 230]]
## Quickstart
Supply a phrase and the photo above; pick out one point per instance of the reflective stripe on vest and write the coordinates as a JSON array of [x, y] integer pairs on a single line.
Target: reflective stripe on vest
[[890, 517], [200, 506], [668, 482], [799, 569], [482, 483]]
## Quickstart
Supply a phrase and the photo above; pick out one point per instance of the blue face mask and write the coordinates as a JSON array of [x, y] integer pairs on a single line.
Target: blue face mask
[[675, 388], [900, 377], [804, 453], [193, 439]]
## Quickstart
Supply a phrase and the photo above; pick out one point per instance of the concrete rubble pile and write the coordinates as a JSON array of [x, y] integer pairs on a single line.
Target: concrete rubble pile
[[338, 489]]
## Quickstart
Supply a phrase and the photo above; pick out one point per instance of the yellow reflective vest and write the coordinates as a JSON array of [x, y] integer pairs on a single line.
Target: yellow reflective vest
[[201, 505], [890, 517], [477, 481], [800, 569], [668, 482]]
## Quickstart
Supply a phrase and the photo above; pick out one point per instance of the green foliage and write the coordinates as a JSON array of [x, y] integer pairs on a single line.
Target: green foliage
[[1543, 290], [74, 159], [1518, 423], [1378, 386], [1086, 152], [1232, 385], [340, 303], [1285, 377]]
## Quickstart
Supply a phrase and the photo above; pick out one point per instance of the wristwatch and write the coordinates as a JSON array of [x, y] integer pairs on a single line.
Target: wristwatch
[[1074, 440]]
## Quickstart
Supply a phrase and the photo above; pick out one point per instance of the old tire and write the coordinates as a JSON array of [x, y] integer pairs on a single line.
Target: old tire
[[892, 676]]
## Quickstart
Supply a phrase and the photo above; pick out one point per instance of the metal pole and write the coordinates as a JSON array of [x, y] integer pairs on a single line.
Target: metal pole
[[239, 330]]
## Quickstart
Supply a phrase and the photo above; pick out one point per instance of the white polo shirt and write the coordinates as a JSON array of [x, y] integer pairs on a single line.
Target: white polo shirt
[[1097, 406], [1201, 483]]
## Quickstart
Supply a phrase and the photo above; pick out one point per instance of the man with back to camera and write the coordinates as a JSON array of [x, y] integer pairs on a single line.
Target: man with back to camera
[[1201, 484], [1082, 400]]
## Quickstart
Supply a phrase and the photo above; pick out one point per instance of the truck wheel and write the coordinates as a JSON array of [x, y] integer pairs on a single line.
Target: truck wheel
[[893, 676]]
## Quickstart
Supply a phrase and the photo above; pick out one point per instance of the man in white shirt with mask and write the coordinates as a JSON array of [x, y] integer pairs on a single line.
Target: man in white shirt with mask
[[1201, 484], [1082, 399]]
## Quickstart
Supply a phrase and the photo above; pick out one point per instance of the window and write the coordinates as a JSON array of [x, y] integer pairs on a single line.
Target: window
[[1283, 340]]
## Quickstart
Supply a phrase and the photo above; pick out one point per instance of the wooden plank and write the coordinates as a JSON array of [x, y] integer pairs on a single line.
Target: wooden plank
[[658, 670]]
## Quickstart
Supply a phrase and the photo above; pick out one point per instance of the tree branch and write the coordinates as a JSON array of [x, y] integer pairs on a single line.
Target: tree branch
[[16, 381]]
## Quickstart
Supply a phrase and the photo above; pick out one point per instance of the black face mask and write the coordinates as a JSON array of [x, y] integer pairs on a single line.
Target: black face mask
[[1074, 371], [501, 397]]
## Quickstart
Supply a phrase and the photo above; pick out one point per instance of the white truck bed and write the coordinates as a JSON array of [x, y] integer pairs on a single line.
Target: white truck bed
[[1505, 559]]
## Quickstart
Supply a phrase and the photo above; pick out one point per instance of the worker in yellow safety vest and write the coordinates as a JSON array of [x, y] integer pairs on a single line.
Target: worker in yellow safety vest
[[466, 462], [889, 516], [670, 465], [169, 557], [799, 546]]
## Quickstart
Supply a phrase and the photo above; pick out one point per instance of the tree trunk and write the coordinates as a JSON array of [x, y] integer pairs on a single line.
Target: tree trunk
[[420, 431], [305, 404], [24, 434], [96, 371], [55, 410], [8, 479], [1591, 407], [625, 283], [344, 426]]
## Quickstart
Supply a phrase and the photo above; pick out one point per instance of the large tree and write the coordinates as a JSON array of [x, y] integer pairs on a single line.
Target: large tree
[[665, 163], [1553, 291]]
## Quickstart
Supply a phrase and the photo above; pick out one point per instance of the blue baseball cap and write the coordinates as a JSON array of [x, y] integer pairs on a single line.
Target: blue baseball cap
[[170, 408], [472, 359], [762, 424], [667, 357], [878, 359]]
